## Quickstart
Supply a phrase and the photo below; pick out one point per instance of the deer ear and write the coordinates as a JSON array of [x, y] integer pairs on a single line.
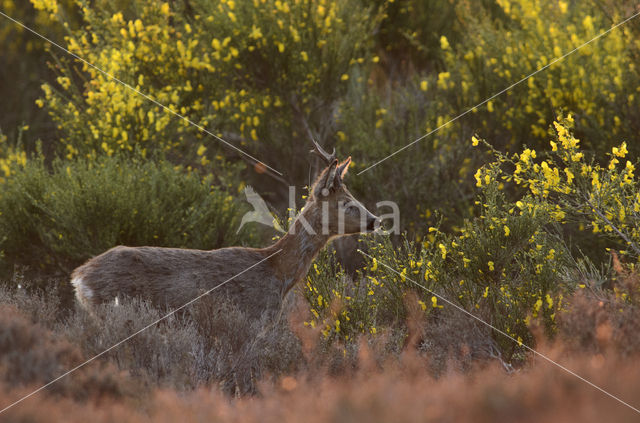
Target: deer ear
[[344, 167], [331, 175], [327, 181]]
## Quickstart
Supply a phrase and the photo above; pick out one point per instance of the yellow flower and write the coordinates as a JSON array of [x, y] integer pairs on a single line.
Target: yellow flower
[[491, 265], [344, 77], [443, 250], [537, 305], [428, 274], [442, 80], [444, 43], [551, 254], [423, 85], [562, 5], [507, 231], [478, 176], [255, 32], [474, 141], [621, 151], [569, 174], [374, 266]]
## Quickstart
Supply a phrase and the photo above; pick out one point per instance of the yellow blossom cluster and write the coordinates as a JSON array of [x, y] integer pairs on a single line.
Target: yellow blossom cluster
[[604, 198], [600, 79], [501, 265], [11, 157], [232, 68]]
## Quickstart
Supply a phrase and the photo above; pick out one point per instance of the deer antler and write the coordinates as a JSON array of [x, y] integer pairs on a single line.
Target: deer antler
[[328, 158]]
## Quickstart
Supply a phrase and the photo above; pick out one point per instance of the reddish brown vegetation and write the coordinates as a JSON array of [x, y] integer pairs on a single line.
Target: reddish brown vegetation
[[596, 338]]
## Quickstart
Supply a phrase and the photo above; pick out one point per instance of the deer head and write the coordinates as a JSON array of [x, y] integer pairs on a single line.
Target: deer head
[[342, 214]]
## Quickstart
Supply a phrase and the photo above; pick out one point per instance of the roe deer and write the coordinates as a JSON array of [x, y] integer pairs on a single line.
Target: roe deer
[[171, 277]]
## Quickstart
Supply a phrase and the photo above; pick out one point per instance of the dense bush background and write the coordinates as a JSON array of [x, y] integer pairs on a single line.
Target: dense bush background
[[524, 212], [56, 217]]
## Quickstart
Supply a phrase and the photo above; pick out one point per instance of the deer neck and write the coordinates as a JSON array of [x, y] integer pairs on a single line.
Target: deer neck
[[299, 247]]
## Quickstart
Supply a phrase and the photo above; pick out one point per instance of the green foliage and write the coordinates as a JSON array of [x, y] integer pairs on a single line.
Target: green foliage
[[505, 266], [240, 69], [344, 309], [598, 82], [81, 208], [373, 126], [369, 78], [499, 47], [575, 189], [24, 68]]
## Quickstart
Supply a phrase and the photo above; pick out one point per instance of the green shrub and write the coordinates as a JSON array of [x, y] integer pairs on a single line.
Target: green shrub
[[501, 44], [506, 266], [372, 126], [63, 216], [599, 82], [597, 204], [24, 58], [239, 69], [343, 308]]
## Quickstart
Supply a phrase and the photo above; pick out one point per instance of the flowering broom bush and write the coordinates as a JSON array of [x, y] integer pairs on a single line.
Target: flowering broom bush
[[511, 264], [505, 266], [239, 69], [599, 82], [502, 43], [575, 188]]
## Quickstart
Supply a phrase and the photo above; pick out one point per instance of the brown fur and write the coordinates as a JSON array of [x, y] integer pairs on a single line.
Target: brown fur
[[171, 277]]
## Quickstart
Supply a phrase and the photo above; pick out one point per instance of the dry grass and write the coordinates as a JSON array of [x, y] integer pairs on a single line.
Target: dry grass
[[176, 371], [401, 392]]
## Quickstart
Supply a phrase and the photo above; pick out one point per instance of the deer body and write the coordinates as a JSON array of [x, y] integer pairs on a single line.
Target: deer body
[[171, 277]]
